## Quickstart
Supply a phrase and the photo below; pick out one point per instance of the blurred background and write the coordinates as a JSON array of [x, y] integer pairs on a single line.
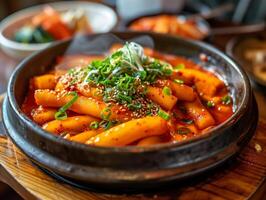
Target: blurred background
[[242, 12], [245, 11]]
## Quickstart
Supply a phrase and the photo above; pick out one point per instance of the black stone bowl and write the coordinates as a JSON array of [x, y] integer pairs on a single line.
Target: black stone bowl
[[133, 167]]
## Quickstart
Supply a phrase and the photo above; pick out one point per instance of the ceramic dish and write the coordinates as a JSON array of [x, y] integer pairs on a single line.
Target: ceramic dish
[[101, 19], [198, 28]]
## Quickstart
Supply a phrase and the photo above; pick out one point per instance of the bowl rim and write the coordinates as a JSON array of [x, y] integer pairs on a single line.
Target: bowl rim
[[7, 42], [133, 149]]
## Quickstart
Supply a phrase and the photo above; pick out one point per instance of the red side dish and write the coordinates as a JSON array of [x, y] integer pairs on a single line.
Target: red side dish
[[169, 24]]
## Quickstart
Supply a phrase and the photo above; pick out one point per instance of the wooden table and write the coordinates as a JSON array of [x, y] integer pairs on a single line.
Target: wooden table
[[242, 179]]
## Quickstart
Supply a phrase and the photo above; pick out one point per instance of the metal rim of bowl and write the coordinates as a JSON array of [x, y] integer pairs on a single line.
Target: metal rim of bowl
[[132, 149], [4, 41]]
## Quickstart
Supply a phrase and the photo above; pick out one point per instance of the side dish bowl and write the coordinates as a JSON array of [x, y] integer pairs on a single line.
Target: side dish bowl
[[133, 167], [249, 51], [199, 28], [101, 19]]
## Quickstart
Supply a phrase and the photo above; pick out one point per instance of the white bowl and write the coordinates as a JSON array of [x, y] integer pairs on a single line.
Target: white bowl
[[102, 19]]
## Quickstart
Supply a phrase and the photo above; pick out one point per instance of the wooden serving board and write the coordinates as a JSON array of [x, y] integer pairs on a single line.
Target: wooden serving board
[[242, 179]]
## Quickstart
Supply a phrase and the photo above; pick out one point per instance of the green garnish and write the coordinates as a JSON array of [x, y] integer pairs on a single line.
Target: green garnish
[[168, 72], [134, 106], [180, 66], [106, 113], [187, 121], [61, 113], [167, 91], [210, 104], [125, 98], [179, 81], [226, 100], [124, 75], [94, 125], [164, 115], [141, 74], [107, 124], [183, 131]]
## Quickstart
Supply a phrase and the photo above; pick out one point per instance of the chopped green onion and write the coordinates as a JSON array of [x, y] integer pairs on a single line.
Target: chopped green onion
[[148, 113], [179, 81], [134, 106], [164, 115], [107, 124], [167, 91], [168, 72], [102, 123], [125, 98], [187, 121], [210, 104], [123, 77], [106, 113], [226, 100], [141, 74], [94, 125], [71, 71], [183, 130], [61, 113], [180, 66]]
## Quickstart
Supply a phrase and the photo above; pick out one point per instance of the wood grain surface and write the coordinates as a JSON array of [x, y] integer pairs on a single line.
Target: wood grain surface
[[241, 179]]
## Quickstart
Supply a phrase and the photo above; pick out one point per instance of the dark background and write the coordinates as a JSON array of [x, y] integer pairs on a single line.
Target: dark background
[[245, 11]]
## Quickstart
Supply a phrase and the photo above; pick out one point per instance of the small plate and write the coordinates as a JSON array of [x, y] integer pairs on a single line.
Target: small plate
[[101, 18]]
